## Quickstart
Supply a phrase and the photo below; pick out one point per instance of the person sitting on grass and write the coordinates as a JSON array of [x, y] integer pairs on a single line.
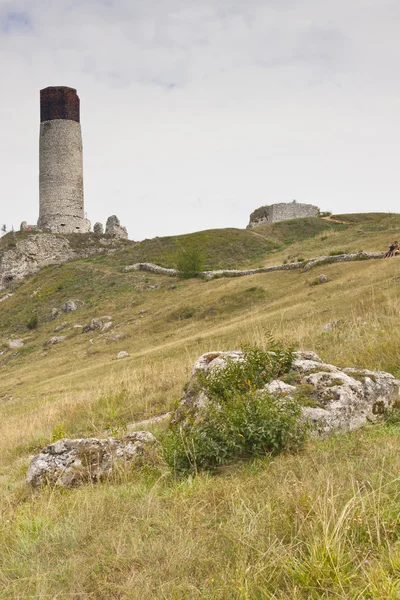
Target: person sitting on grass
[[393, 250]]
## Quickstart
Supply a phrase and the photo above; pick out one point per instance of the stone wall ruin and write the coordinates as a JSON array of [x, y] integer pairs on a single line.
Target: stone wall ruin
[[281, 212]]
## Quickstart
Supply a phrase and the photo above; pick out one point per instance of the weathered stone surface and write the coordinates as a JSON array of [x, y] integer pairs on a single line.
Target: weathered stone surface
[[60, 327], [122, 354], [28, 255], [69, 306], [55, 312], [283, 211], [68, 463], [14, 344], [55, 340], [340, 400], [98, 229], [98, 324], [114, 228], [322, 278]]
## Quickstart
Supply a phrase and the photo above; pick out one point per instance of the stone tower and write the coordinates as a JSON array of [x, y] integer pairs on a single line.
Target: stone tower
[[60, 163]]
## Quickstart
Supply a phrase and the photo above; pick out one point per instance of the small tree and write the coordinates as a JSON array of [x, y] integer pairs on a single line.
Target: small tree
[[189, 262]]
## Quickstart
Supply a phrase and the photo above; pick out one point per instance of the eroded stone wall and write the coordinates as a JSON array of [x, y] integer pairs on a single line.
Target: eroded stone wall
[[281, 212]]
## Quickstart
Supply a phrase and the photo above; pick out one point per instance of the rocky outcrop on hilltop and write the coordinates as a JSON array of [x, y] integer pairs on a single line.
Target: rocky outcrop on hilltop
[[333, 399], [25, 255]]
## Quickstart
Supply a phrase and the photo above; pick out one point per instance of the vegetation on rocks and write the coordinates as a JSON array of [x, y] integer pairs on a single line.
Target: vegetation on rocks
[[240, 420], [319, 524]]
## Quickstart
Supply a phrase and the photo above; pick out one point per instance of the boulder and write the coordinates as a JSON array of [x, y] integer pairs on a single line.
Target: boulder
[[334, 399], [69, 306], [122, 354], [98, 324], [68, 463], [55, 312], [322, 278], [15, 344], [60, 327], [55, 340]]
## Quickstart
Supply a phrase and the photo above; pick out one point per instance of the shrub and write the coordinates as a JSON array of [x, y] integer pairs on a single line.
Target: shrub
[[246, 425], [257, 368], [32, 322], [300, 260], [337, 252], [189, 263], [240, 420]]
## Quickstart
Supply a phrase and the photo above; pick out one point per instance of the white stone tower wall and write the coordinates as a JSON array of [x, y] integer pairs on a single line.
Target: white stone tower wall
[[61, 177], [61, 207]]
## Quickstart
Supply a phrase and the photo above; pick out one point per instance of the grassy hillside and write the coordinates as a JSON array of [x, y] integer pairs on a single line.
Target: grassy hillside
[[321, 524]]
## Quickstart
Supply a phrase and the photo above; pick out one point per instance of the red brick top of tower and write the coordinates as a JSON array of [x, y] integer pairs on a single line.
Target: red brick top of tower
[[59, 103]]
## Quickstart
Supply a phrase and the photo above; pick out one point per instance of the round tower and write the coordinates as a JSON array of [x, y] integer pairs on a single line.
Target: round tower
[[60, 163]]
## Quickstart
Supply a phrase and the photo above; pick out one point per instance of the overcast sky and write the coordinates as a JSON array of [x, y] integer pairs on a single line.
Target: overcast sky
[[194, 113]]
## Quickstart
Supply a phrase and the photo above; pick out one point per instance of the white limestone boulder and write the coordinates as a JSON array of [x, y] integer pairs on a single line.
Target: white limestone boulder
[[69, 463], [333, 399]]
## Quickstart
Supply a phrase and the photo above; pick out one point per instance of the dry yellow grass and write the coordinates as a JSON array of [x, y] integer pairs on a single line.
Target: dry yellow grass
[[322, 524]]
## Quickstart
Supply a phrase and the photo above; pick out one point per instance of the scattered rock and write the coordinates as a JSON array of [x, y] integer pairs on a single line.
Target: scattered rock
[[14, 344], [78, 327], [60, 327], [55, 312], [97, 324], [5, 297], [68, 463], [122, 354], [55, 340], [106, 326], [69, 306], [340, 400], [322, 278], [330, 326], [98, 229]]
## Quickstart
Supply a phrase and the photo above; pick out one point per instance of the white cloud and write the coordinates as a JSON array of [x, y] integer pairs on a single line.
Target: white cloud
[[195, 114]]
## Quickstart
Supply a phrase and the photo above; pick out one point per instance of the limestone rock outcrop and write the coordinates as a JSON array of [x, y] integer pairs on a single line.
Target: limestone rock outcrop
[[338, 400], [26, 255], [114, 228], [68, 463], [98, 229]]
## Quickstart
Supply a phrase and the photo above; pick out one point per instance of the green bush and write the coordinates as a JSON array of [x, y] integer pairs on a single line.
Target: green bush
[[32, 322], [257, 368], [240, 420], [189, 263], [246, 425], [337, 252]]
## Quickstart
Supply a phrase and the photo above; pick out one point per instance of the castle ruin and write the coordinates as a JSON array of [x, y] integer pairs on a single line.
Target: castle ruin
[[60, 163], [281, 212]]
